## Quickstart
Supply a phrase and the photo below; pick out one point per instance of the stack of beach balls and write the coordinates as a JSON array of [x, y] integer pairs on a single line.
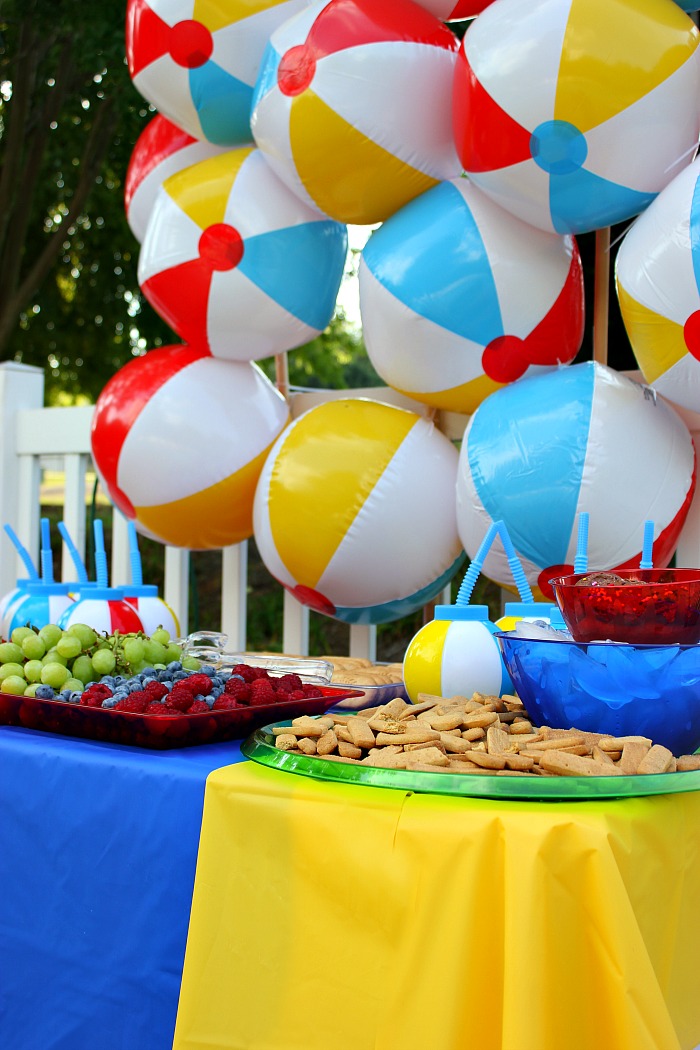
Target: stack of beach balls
[[477, 157]]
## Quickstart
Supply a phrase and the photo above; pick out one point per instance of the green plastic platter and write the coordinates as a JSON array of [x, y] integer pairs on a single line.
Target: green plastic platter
[[260, 747]]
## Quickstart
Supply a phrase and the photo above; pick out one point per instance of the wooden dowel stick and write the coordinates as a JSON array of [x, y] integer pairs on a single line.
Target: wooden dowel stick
[[601, 296]]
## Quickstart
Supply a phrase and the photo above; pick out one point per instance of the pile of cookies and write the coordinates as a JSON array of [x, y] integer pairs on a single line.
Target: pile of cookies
[[482, 735], [359, 671]]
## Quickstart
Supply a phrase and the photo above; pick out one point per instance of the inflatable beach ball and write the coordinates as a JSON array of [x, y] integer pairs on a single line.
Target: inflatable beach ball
[[354, 512], [570, 127], [449, 11], [657, 276], [456, 654], [179, 440], [352, 106], [161, 150], [458, 298], [197, 61], [232, 260], [584, 438], [103, 609]]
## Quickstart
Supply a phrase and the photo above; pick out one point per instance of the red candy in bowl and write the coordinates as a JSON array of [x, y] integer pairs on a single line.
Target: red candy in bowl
[[640, 606]]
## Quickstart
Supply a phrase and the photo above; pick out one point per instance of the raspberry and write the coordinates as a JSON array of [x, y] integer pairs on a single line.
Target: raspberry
[[247, 673], [288, 682], [136, 701], [155, 708], [297, 694], [311, 691], [238, 690], [224, 703], [261, 692], [179, 699], [198, 707], [197, 683], [156, 690], [164, 711], [95, 694]]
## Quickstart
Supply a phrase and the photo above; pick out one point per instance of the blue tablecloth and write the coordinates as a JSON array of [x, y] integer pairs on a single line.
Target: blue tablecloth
[[98, 846]]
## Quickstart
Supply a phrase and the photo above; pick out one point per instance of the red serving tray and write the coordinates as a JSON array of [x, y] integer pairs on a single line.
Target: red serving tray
[[155, 731]]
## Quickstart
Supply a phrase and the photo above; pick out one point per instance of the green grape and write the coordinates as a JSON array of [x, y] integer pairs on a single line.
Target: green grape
[[74, 684], [82, 669], [52, 657], [32, 670], [20, 633], [31, 689], [9, 670], [161, 636], [10, 653], [134, 649], [54, 675], [49, 634], [173, 652], [87, 636], [33, 647], [191, 663], [13, 684], [69, 646], [154, 651], [104, 661]]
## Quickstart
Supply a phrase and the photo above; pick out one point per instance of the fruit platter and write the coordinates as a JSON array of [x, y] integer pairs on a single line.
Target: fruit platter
[[144, 691]]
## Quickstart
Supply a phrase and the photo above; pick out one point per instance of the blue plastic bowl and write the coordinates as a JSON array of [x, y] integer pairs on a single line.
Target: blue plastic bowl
[[608, 687]]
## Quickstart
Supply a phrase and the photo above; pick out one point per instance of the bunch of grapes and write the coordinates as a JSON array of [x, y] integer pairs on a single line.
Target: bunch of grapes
[[78, 655]]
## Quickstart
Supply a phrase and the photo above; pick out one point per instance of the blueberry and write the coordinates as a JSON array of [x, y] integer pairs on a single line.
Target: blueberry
[[44, 692], [175, 665], [134, 685], [217, 690], [179, 675], [149, 678], [109, 702], [149, 672], [108, 680], [208, 669], [209, 700], [120, 694], [74, 697]]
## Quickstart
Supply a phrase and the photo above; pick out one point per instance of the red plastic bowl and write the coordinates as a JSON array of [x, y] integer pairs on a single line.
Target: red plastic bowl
[[664, 609]]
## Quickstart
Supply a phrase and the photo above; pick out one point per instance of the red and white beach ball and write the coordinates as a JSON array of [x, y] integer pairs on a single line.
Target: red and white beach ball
[[352, 106], [570, 126], [657, 275], [103, 609], [161, 150], [584, 438], [197, 62], [354, 512], [458, 297], [233, 261], [179, 439], [451, 11]]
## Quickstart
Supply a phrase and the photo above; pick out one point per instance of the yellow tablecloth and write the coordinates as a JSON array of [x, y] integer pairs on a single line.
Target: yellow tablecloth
[[337, 917]]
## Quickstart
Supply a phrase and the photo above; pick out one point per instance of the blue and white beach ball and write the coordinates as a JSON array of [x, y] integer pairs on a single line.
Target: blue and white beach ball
[[458, 298], [584, 438], [354, 512]]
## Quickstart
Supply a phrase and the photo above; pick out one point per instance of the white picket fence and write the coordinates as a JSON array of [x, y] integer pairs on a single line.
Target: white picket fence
[[36, 440]]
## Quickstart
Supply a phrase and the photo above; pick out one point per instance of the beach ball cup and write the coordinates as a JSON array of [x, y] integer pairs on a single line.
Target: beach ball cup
[[458, 298], [354, 511], [539, 452], [161, 150], [234, 262], [352, 106], [657, 278], [179, 440], [198, 63], [456, 654], [572, 129]]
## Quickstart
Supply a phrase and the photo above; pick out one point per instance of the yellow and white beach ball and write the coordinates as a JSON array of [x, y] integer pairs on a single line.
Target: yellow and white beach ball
[[355, 511], [179, 439], [657, 276], [352, 107]]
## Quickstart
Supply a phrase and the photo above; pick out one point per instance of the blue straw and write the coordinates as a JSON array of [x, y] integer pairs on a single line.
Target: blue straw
[[100, 554], [23, 553], [519, 577], [46, 553], [581, 559], [472, 574], [136, 568], [74, 553], [647, 561]]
